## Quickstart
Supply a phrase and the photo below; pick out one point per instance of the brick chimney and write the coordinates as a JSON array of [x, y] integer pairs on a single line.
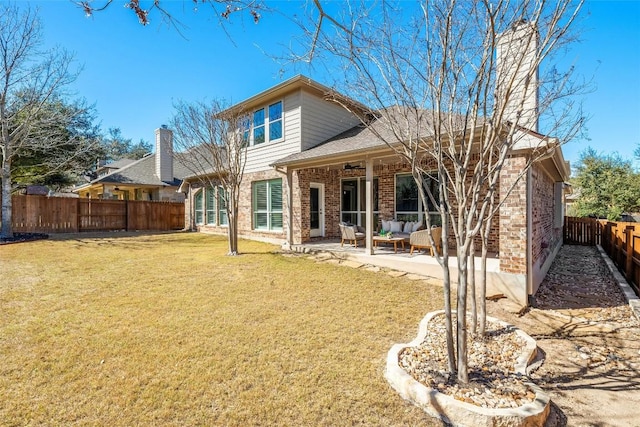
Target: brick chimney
[[515, 58], [164, 154]]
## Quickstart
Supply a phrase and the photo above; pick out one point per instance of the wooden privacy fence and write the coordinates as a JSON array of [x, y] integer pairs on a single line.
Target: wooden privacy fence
[[581, 231], [41, 214], [620, 240]]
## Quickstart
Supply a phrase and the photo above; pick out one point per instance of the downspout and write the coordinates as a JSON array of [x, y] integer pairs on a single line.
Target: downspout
[[529, 237], [289, 242]]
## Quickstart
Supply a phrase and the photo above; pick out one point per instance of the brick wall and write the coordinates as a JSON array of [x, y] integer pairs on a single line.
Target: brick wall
[[245, 217], [331, 180], [513, 218], [544, 236], [386, 202]]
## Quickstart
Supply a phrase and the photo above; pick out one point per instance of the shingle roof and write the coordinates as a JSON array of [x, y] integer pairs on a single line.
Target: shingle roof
[[117, 164], [363, 138], [143, 172]]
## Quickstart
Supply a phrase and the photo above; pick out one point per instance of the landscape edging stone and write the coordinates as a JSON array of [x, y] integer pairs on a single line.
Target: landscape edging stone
[[460, 413]]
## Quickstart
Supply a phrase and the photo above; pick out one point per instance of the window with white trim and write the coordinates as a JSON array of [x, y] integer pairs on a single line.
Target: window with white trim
[[353, 201], [275, 121], [258, 127], [245, 127], [408, 205], [222, 207], [210, 206], [210, 203], [267, 204], [198, 204], [266, 125]]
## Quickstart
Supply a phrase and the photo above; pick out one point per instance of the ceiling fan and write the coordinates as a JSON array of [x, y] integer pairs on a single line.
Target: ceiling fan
[[349, 166]]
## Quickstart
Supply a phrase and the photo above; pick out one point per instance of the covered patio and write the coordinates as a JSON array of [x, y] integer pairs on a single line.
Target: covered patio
[[384, 257]]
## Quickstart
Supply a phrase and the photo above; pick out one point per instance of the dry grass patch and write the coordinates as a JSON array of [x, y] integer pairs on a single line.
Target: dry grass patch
[[166, 330]]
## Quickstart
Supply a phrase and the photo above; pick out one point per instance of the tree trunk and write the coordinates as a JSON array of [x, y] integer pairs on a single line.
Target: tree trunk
[[461, 317], [7, 228], [472, 288], [232, 214], [483, 284], [446, 280]]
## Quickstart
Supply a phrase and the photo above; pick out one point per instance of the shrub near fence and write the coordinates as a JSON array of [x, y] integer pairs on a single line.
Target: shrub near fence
[[620, 240], [41, 214]]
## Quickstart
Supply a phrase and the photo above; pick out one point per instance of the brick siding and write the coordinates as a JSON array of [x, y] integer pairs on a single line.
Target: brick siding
[[508, 235], [513, 217], [544, 235]]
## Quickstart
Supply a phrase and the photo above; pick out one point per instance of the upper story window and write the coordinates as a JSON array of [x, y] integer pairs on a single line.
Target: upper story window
[[266, 125], [275, 121], [245, 127], [258, 126]]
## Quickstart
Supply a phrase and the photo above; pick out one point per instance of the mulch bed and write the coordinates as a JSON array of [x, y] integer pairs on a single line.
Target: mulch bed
[[23, 237]]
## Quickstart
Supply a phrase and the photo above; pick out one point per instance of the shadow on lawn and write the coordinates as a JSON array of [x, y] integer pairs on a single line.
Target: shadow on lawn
[[593, 358], [582, 321]]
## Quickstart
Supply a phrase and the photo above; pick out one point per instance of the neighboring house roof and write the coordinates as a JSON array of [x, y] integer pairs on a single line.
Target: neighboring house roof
[[199, 161], [142, 172], [574, 195], [117, 164]]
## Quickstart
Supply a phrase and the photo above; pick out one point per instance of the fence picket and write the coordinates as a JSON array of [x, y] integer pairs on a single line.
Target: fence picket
[[42, 214], [616, 238]]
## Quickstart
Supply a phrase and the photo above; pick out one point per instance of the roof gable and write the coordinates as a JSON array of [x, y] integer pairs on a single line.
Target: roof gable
[[143, 172]]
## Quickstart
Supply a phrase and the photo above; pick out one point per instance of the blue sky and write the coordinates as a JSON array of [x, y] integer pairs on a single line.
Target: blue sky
[[134, 74]]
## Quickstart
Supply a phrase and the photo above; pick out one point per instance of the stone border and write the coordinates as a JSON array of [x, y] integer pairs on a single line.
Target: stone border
[[460, 413], [630, 296]]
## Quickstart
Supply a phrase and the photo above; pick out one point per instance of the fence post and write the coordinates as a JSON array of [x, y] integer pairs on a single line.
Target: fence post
[[126, 215], [628, 265]]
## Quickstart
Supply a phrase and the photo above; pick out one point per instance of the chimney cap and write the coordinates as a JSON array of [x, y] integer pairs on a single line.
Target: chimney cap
[[164, 126]]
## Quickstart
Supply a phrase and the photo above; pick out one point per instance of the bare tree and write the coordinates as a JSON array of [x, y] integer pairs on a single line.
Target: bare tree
[[31, 81], [456, 87], [223, 9], [211, 142]]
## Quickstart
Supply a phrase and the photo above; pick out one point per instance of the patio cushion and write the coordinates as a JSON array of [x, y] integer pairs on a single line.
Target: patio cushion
[[416, 226], [408, 227], [396, 227], [386, 225]]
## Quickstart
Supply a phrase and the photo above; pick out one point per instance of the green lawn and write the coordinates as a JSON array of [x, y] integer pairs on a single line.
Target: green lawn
[[167, 330]]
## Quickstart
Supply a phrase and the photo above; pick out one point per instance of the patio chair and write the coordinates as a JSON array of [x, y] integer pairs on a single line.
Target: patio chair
[[351, 234], [420, 240]]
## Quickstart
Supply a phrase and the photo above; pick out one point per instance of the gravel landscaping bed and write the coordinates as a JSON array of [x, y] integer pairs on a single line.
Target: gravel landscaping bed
[[493, 383], [576, 304]]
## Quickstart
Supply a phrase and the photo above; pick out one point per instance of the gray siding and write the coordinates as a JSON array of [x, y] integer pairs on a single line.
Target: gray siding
[[322, 120], [307, 121], [261, 156]]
